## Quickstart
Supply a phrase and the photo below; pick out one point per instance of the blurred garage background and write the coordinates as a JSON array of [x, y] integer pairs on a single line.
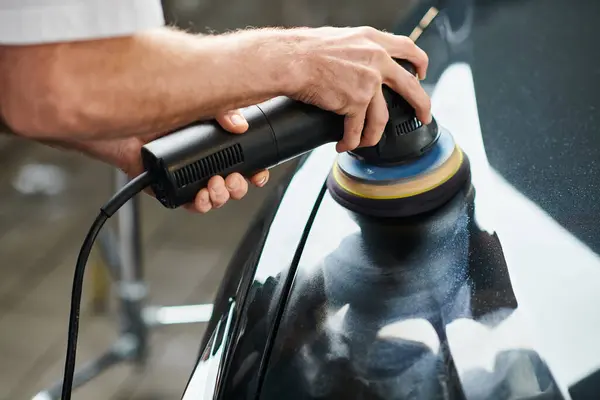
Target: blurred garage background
[[48, 198]]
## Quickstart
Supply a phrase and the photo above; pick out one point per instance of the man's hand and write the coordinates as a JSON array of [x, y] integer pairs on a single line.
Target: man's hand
[[343, 69], [125, 155]]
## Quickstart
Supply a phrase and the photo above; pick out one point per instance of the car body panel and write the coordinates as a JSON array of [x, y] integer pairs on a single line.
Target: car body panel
[[496, 299]]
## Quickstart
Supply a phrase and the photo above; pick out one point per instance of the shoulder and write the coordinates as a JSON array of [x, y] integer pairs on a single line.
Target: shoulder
[[45, 21]]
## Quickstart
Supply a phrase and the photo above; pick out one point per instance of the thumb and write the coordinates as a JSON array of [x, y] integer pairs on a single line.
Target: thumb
[[233, 121]]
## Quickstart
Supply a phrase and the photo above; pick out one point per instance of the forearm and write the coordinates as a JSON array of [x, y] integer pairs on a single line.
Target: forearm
[[151, 82]]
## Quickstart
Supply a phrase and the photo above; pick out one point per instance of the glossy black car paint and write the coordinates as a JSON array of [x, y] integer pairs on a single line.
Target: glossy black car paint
[[385, 314], [490, 297]]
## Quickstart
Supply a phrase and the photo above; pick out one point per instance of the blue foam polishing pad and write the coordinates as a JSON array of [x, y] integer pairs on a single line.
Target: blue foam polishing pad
[[415, 186], [430, 161]]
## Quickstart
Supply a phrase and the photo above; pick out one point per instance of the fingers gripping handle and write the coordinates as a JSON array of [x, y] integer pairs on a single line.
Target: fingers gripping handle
[[182, 162]]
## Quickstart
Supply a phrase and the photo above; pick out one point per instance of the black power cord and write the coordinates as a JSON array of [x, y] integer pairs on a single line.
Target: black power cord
[[128, 191]]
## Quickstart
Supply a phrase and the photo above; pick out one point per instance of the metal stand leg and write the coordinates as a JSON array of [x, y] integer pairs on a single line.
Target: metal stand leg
[[124, 260], [131, 287]]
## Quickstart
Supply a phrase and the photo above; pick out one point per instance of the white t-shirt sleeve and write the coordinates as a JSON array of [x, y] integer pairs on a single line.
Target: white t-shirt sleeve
[[47, 21]]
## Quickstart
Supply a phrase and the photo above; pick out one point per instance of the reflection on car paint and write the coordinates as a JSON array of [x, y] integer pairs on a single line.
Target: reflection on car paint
[[205, 375]]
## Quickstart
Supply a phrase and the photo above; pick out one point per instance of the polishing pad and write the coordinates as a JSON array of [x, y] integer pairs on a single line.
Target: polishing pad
[[414, 187]]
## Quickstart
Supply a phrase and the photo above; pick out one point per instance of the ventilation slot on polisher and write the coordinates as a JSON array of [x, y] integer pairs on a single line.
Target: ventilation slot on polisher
[[408, 126], [210, 166]]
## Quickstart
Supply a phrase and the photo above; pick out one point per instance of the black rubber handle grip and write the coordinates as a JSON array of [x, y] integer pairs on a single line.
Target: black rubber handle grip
[[182, 162]]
